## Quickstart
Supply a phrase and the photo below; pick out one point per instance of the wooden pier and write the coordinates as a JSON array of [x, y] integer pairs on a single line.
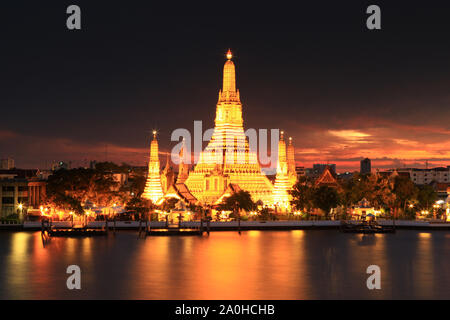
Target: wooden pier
[[145, 229], [49, 230]]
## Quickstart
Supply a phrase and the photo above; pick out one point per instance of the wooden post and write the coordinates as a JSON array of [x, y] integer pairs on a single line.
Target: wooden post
[[201, 226], [140, 228], [239, 223], [179, 221], [239, 217]]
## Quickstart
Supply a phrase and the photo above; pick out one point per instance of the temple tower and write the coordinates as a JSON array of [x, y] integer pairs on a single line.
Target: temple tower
[[183, 168], [281, 197], [167, 176], [291, 162], [227, 158], [153, 189]]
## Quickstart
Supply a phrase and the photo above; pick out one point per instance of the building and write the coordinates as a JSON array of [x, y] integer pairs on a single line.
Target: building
[[227, 159], [7, 164], [365, 166], [426, 176], [19, 195], [327, 178], [318, 169], [153, 188], [300, 171], [442, 190], [345, 176], [61, 165]]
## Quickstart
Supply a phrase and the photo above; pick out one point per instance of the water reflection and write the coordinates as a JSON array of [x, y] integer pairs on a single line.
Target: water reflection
[[255, 265]]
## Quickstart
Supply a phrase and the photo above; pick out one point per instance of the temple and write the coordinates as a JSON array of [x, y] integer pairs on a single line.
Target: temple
[[153, 188], [327, 179], [227, 164], [227, 159]]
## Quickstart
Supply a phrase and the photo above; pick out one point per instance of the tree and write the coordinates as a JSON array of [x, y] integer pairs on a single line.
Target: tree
[[69, 189], [325, 198], [138, 205], [240, 200], [379, 192], [302, 195], [168, 204], [404, 190], [426, 196]]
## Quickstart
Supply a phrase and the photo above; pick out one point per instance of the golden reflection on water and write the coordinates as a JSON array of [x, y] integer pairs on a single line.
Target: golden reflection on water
[[424, 263], [223, 266], [254, 265]]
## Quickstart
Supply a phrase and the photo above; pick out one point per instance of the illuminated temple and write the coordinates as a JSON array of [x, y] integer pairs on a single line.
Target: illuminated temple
[[286, 176], [227, 158], [226, 164], [153, 188]]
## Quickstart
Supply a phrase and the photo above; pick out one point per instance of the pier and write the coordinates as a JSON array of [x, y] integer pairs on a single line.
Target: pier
[[80, 230], [230, 225]]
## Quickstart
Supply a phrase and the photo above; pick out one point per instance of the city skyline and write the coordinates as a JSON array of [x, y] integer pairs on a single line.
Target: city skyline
[[342, 92]]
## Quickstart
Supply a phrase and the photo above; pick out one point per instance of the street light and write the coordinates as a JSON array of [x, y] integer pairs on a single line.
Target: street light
[[20, 207]]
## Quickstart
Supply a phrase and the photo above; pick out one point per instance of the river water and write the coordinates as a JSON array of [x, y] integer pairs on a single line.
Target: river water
[[310, 264]]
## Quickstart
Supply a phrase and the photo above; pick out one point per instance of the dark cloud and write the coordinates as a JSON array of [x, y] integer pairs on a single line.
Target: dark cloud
[[314, 71]]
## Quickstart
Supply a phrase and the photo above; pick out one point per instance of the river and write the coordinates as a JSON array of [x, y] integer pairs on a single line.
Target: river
[[309, 264]]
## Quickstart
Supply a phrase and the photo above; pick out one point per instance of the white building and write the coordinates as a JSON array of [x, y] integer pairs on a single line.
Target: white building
[[426, 176]]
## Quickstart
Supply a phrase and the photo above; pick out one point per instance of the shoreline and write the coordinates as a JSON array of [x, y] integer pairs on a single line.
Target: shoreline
[[233, 225]]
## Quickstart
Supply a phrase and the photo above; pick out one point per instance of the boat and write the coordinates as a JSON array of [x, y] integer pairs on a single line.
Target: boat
[[365, 227]]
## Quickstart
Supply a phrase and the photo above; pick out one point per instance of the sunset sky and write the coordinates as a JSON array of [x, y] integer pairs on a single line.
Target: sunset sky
[[341, 91]]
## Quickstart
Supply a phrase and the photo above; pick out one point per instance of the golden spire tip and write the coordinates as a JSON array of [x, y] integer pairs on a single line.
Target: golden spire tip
[[229, 54]]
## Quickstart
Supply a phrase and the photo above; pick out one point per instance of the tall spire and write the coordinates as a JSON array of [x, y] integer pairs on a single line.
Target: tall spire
[[227, 159], [183, 168], [282, 161], [229, 75], [291, 157], [282, 185], [153, 188]]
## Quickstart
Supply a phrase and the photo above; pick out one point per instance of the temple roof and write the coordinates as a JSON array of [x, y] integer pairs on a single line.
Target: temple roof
[[326, 178], [181, 191], [231, 188]]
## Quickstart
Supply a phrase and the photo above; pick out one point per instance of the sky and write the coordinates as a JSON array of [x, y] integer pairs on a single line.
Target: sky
[[343, 92]]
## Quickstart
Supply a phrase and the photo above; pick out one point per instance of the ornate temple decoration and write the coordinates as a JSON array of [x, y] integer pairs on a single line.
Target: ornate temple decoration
[[281, 197], [153, 189], [291, 162], [227, 158], [167, 176], [183, 168]]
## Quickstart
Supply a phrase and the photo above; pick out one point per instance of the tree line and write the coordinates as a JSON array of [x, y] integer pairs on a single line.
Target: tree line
[[398, 196]]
